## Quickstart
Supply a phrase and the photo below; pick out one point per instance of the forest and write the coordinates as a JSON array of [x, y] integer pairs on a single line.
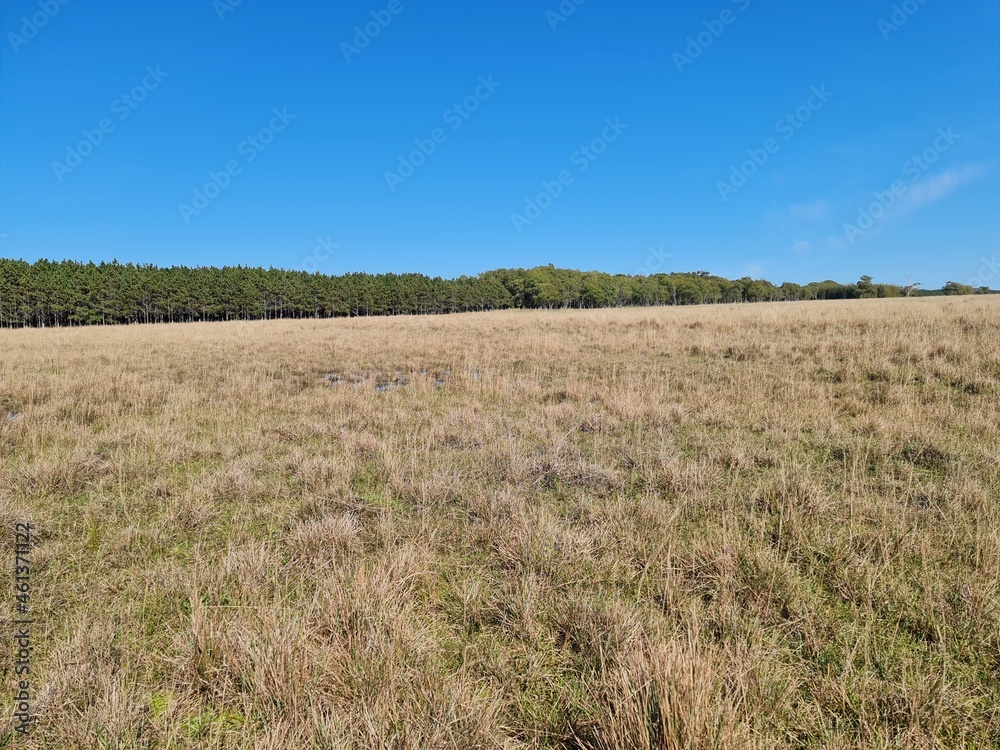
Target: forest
[[68, 293]]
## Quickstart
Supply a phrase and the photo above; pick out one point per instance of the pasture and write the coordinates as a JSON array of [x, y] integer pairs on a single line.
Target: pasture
[[733, 526]]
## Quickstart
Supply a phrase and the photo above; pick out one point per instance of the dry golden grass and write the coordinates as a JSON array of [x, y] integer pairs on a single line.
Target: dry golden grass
[[759, 526]]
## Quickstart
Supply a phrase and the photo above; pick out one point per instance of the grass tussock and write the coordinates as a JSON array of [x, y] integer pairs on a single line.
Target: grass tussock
[[767, 526]]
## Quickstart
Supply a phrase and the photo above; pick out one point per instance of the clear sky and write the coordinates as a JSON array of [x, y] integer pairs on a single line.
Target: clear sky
[[733, 136]]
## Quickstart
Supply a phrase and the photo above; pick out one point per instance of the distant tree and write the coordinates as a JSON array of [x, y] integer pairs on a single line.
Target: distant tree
[[67, 293], [866, 289], [791, 292], [954, 288]]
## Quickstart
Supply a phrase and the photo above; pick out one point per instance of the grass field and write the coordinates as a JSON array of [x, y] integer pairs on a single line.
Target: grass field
[[768, 526]]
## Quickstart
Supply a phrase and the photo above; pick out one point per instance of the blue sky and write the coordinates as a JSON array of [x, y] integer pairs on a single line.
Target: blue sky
[[794, 141]]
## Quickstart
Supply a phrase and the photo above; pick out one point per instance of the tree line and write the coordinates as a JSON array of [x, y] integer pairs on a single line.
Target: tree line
[[69, 293]]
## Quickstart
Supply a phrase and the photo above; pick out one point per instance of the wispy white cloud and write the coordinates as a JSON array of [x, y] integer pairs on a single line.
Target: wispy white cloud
[[801, 247], [812, 211], [924, 191], [933, 188], [834, 244]]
